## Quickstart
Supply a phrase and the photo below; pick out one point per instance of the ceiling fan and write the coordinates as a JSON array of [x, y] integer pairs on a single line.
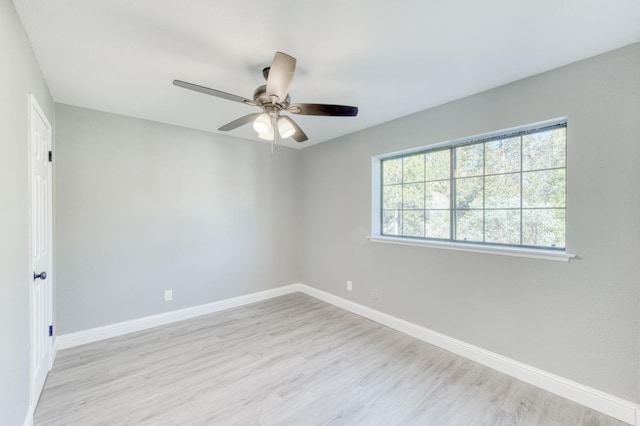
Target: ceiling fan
[[273, 98]]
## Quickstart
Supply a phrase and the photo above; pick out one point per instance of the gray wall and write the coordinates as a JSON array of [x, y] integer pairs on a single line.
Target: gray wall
[[578, 319], [19, 75], [143, 207]]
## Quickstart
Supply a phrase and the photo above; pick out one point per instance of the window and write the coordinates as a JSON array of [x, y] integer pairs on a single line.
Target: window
[[508, 190]]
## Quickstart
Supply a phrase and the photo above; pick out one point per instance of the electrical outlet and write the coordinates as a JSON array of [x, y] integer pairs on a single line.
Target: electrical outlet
[[375, 293], [349, 286], [168, 295]]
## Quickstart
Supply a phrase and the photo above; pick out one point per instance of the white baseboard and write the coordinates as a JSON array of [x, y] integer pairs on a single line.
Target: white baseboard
[[28, 420], [54, 351], [610, 405], [70, 340]]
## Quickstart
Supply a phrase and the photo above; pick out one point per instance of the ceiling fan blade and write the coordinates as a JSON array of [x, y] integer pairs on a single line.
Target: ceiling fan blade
[[240, 122], [280, 75], [323, 109], [299, 135], [212, 92]]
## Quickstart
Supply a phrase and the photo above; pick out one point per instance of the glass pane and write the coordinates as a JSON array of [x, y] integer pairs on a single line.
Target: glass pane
[[438, 165], [413, 168], [502, 226], [469, 193], [543, 227], [502, 191], [544, 150], [469, 160], [437, 224], [392, 197], [544, 189], [413, 196], [391, 222], [413, 223], [502, 156], [469, 225], [436, 195], [392, 171]]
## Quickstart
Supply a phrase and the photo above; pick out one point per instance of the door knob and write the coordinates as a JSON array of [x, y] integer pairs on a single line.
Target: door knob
[[42, 275]]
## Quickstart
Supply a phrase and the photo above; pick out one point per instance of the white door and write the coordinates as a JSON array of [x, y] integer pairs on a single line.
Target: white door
[[40, 282]]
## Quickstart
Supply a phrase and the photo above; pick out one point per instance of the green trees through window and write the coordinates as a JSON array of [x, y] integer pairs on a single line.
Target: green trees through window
[[508, 190]]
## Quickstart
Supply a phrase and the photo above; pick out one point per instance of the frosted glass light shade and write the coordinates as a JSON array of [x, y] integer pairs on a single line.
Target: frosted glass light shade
[[262, 124], [267, 136], [285, 128]]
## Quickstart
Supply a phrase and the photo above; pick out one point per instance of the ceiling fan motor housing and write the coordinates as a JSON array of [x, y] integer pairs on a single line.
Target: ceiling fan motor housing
[[261, 98]]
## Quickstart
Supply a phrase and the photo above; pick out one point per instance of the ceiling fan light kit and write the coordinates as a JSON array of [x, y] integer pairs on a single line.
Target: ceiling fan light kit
[[262, 124], [285, 128], [269, 136], [273, 98]]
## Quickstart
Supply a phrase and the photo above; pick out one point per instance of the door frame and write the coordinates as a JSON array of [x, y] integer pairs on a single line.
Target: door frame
[[34, 108]]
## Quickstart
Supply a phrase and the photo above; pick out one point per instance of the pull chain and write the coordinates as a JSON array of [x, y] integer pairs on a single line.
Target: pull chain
[[274, 142]]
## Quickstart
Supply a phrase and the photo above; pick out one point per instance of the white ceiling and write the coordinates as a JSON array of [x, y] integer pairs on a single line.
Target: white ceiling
[[389, 58]]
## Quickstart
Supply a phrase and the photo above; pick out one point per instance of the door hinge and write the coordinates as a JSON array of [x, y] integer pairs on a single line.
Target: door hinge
[[51, 331], [50, 156]]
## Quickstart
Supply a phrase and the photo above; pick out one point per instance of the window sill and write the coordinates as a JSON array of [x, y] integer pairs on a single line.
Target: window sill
[[560, 256]]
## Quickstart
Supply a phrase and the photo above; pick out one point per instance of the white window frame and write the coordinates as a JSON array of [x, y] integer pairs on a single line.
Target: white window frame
[[376, 199]]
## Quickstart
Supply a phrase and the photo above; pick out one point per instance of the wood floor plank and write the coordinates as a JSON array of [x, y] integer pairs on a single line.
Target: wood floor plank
[[291, 360]]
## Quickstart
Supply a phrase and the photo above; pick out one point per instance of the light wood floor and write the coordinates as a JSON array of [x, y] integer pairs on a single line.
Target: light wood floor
[[291, 360]]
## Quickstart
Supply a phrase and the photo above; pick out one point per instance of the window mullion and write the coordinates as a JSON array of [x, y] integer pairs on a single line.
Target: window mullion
[[452, 195], [521, 182], [484, 192], [424, 197], [381, 197], [402, 198]]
